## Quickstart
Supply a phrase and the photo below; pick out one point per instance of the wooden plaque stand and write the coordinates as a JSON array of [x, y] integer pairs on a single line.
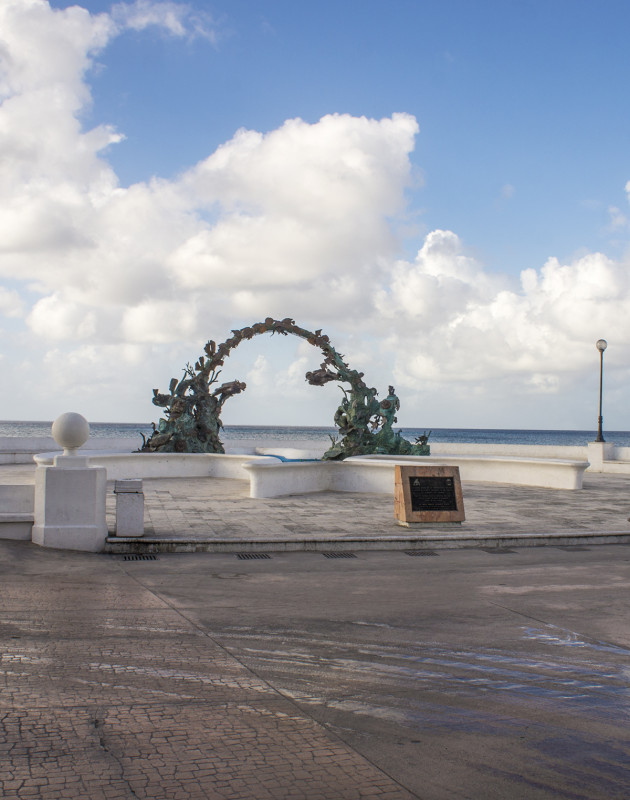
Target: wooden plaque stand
[[430, 494]]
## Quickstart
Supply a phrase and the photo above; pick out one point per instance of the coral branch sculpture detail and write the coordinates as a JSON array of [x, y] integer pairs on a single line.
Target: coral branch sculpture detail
[[193, 406]]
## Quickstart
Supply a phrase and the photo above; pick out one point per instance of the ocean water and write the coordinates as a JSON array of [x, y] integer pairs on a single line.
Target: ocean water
[[288, 434]]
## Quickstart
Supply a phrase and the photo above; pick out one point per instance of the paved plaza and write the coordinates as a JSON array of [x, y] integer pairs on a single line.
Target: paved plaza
[[466, 674], [220, 509], [218, 512]]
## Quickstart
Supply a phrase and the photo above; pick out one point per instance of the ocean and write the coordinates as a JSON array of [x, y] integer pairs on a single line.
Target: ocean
[[288, 434]]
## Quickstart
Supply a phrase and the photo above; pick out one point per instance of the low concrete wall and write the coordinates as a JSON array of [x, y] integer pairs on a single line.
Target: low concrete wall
[[121, 466], [20, 450], [17, 504], [289, 452], [549, 473], [614, 460], [16, 450], [271, 478], [606, 457], [572, 452]]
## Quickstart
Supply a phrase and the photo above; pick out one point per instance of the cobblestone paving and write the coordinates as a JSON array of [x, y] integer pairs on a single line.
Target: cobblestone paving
[[108, 693], [197, 508]]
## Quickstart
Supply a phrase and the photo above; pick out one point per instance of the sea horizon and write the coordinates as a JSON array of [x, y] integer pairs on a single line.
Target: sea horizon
[[288, 433]]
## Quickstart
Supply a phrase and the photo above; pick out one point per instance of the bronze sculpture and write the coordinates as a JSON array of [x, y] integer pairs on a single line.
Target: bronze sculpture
[[192, 408]]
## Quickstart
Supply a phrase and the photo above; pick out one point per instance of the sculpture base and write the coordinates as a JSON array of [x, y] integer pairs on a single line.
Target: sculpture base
[[424, 524]]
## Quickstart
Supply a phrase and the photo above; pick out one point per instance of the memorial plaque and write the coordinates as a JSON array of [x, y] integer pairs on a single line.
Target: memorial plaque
[[428, 494], [432, 493]]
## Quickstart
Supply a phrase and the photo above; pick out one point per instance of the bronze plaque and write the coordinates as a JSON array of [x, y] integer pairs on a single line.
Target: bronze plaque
[[428, 494], [432, 493]]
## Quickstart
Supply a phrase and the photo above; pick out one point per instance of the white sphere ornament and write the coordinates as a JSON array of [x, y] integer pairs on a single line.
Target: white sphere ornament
[[70, 431]]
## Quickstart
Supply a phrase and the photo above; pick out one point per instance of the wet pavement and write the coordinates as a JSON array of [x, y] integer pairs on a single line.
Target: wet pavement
[[461, 674], [481, 673]]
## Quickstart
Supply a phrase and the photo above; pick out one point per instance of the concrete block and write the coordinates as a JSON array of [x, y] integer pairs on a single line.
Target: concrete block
[[70, 506], [129, 508], [597, 453]]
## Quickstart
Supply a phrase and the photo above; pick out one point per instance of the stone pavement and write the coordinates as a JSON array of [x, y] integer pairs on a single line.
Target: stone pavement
[[109, 693], [186, 514], [470, 675], [197, 513]]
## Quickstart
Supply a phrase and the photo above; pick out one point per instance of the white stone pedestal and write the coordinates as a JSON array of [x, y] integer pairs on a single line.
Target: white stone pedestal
[[598, 452], [129, 508], [70, 505], [70, 495]]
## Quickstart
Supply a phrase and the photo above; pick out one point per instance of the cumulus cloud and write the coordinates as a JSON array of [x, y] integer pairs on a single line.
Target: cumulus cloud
[[137, 246], [456, 323], [300, 221], [302, 209], [300, 203]]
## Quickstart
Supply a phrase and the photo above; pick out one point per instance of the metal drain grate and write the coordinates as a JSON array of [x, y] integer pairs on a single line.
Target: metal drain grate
[[420, 552], [338, 555], [140, 558], [245, 556], [498, 551]]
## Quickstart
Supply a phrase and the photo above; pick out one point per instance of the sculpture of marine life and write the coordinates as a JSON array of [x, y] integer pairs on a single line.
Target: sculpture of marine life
[[193, 405]]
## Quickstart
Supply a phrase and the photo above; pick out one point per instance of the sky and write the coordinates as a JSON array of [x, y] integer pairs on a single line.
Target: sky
[[442, 187]]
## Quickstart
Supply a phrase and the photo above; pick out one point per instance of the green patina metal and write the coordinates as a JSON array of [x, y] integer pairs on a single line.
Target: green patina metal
[[192, 421]]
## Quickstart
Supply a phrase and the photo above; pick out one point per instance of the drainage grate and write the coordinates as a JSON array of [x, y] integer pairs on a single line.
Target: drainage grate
[[140, 558], [338, 555], [244, 556], [497, 551], [420, 552]]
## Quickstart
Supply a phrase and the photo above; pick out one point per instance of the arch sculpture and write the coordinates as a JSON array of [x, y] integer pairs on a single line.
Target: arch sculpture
[[191, 422]]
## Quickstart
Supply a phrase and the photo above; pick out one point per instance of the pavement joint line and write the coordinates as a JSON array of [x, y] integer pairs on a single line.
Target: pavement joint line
[[522, 614], [302, 712]]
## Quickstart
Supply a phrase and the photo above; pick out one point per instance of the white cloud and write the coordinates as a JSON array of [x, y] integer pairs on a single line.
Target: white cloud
[[298, 211], [299, 221], [617, 218], [178, 19], [53, 318], [302, 202], [456, 324], [159, 321], [11, 304], [260, 373]]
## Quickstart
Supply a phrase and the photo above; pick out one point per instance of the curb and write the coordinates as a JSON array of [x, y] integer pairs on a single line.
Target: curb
[[137, 546]]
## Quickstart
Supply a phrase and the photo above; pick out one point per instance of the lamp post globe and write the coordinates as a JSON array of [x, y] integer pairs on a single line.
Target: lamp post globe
[[601, 345]]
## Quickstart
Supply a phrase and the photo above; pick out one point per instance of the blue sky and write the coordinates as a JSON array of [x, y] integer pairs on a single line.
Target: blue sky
[[500, 139], [524, 132]]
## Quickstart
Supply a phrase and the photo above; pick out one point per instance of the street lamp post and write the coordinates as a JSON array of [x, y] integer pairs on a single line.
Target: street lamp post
[[601, 345]]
